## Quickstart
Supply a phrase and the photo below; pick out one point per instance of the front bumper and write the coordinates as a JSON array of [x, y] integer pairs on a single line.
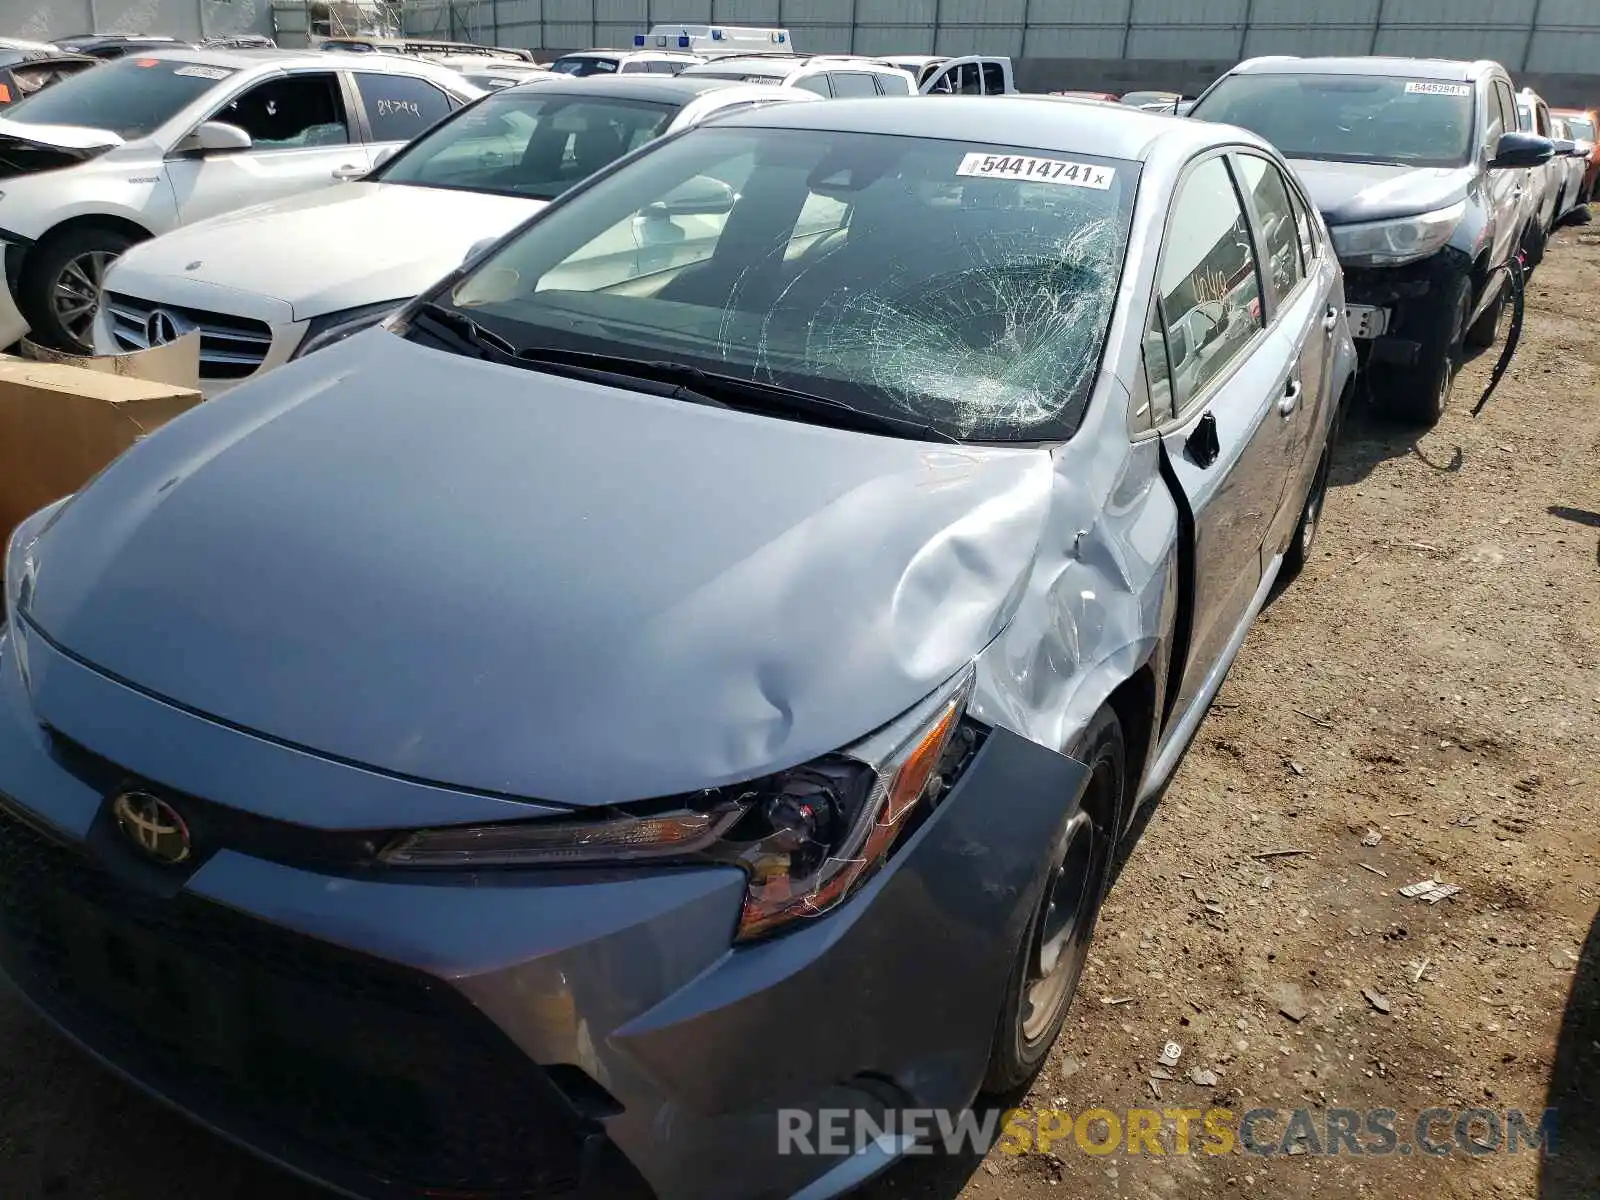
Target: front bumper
[[1391, 309], [510, 1034]]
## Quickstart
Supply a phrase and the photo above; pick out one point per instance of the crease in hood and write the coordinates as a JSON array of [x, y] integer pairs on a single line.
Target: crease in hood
[[517, 583], [353, 243], [1351, 193]]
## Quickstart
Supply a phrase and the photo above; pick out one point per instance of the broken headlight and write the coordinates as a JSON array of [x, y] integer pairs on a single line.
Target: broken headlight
[[806, 838], [1394, 243]]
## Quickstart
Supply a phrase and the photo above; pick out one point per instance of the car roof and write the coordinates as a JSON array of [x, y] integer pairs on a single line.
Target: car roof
[[1417, 68], [245, 58], [665, 89], [1038, 122]]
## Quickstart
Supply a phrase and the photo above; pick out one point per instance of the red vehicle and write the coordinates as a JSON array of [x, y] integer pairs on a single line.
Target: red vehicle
[[1583, 124]]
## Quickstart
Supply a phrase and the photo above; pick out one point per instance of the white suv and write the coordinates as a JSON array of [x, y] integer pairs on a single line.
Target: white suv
[[277, 281], [147, 143]]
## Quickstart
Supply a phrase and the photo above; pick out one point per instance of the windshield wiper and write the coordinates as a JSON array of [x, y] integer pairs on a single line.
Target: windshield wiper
[[731, 391], [461, 334]]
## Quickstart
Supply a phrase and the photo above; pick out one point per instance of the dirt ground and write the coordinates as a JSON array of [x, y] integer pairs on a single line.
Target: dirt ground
[[1434, 678]]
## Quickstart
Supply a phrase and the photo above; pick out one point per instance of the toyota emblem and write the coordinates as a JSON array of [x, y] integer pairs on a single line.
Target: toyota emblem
[[153, 825], [161, 327]]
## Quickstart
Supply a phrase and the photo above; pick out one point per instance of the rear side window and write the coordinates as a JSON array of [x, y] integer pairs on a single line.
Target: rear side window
[[815, 83], [398, 106], [293, 112], [634, 67], [852, 83], [1210, 289], [994, 79], [1269, 198]]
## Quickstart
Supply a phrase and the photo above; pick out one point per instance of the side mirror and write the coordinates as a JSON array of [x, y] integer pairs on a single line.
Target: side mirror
[[1521, 150], [701, 196], [215, 137], [477, 248], [383, 156]]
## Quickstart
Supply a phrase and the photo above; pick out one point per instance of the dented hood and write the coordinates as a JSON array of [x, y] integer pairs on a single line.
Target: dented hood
[[503, 580], [1350, 193]]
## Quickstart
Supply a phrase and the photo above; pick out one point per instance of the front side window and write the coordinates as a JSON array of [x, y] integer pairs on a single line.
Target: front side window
[[1269, 199], [1525, 117], [964, 286], [1349, 118], [291, 112], [534, 144], [1157, 373], [894, 85], [815, 83], [1210, 290], [1581, 128], [130, 98], [398, 106]]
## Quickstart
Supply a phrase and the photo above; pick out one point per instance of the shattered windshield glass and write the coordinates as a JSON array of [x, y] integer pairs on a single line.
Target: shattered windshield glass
[[966, 286]]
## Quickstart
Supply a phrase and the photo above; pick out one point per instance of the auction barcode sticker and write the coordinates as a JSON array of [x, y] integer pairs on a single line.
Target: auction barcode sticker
[[1432, 88], [1040, 170]]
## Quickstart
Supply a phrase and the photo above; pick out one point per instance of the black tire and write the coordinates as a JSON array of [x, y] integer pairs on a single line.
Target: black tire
[[62, 272], [1055, 942], [1419, 394], [1486, 330], [1305, 531]]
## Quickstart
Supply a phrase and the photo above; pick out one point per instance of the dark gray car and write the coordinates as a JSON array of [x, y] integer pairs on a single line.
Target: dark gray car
[[631, 704], [1424, 180]]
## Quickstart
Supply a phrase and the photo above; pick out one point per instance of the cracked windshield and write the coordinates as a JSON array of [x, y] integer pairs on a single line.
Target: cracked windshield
[[965, 288]]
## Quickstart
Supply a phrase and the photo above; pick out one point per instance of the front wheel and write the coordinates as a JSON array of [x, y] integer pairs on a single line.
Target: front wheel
[[1419, 394], [61, 282], [1055, 943]]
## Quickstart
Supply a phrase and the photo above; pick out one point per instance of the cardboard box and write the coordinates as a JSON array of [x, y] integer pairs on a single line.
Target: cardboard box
[[60, 424]]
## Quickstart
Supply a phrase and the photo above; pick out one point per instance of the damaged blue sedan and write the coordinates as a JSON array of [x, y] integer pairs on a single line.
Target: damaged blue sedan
[[694, 666]]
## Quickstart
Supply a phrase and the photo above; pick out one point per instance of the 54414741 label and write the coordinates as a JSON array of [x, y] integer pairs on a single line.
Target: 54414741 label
[[1036, 170]]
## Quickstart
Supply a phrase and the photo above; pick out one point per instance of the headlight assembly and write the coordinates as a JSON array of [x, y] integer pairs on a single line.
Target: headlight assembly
[[806, 838], [1394, 243], [331, 328]]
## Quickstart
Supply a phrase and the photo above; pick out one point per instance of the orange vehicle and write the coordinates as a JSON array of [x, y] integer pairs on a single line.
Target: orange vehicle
[[1584, 126]]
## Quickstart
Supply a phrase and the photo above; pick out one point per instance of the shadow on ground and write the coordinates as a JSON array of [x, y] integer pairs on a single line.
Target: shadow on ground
[[1571, 1171], [1368, 439]]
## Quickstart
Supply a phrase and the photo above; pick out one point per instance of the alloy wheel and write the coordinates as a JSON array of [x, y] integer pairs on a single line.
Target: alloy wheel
[[76, 295], [1066, 918]]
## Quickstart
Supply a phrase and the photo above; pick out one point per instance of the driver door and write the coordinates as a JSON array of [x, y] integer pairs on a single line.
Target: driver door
[[301, 137], [1228, 390]]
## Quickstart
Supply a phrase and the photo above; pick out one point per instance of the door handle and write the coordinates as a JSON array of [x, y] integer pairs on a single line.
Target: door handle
[[1291, 398], [1330, 320], [349, 171]]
